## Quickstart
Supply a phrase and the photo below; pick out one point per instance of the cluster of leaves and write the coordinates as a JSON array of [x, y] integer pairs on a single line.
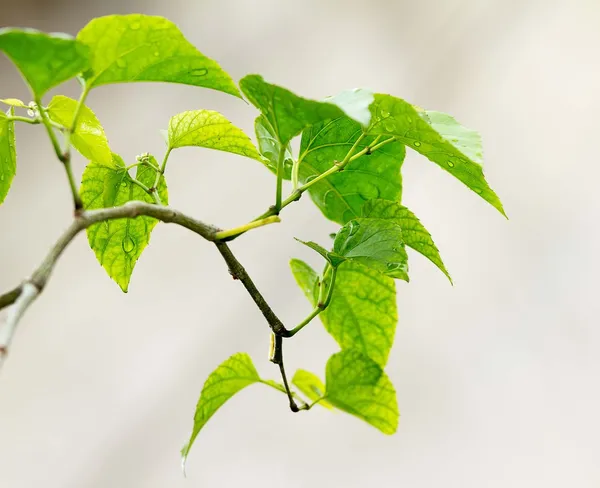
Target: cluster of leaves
[[350, 159]]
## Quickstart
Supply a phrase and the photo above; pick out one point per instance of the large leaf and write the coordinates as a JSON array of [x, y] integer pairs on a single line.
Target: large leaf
[[119, 243], [233, 375], [358, 385], [342, 195], [311, 386], [44, 60], [269, 147], [290, 114], [414, 234], [135, 47], [206, 128], [445, 142], [8, 154], [376, 243], [89, 137], [362, 313]]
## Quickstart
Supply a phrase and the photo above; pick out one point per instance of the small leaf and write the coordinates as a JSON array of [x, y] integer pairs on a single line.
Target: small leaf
[[307, 279], [119, 243], [89, 137], [357, 385], [341, 196], [363, 313], [452, 149], [14, 102], [376, 243], [135, 47], [233, 375], [290, 114], [269, 147], [414, 234], [8, 154], [331, 257], [311, 386], [206, 128], [44, 60]]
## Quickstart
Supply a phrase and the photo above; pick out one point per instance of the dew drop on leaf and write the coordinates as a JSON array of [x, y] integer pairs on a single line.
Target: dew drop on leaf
[[417, 143], [199, 72], [389, 125], [128, 244], [450, 163]]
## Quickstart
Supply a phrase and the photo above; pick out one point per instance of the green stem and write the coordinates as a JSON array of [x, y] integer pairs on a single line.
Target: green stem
[[243, 228], [278, 193], [295, 174], [163, 167], [322, 304], [63, 156], [27, 120]]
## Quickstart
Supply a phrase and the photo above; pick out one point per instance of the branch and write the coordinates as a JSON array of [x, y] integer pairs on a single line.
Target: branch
[[239, 273], [24, 295]]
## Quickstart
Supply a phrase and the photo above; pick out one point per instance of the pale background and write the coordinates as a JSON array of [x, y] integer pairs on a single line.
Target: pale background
[[497, 377]]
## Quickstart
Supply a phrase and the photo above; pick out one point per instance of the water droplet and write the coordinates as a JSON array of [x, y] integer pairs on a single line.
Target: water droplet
[[135, 26], [199, 72], [121, 63], [409, 120], [2, 177], [384, 114], [417, 143], [156, 53], [450, 163], [389, 125], [478, 190], [128, 244], [124, 184]]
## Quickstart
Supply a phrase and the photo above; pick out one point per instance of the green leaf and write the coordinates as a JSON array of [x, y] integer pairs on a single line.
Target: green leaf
[[119, 243], [414, 234], [14, 102], [8, 154], [306, 278], [341, 196], [44, 60], [290, 114], [455, 149], [206, 128], [331, 257], [269, 147], [376, 243], [357, 385], [363, 313], [89, 137], [135, 47], [233, 375], [311, 386]]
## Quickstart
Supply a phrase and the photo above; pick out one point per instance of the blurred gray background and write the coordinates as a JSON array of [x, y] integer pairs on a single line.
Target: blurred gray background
[[497, 377]]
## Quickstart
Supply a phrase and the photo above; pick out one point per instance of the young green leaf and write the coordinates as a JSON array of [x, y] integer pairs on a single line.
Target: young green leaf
[[307, 279], [290, 114], [135, 47], [376, 243], [396, 117], [331, 257], [206, 128], [8, 153], [233, 375], [414, 234], [119, 243], [14, 102], [89, 137], [341, 196], [311, 386], [44, 60], [357, 385], [363, 312], [269, 147]]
